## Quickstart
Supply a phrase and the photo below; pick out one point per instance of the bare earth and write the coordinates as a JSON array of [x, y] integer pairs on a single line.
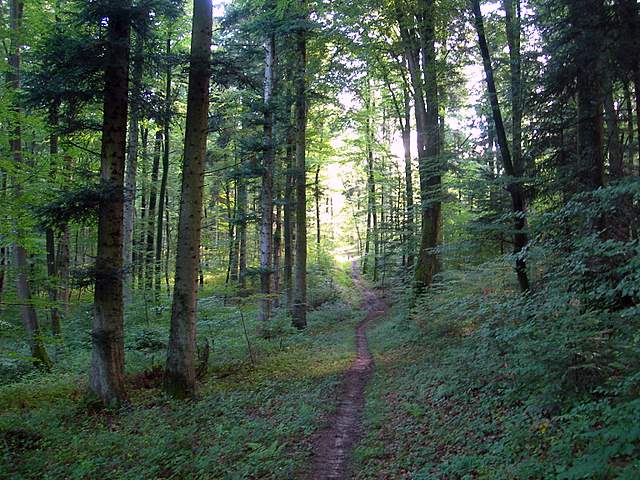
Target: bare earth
[[334, 445]]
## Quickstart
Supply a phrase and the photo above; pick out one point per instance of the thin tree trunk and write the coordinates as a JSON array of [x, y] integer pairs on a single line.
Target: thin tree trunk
[[180, 374], [317, 200], [107, 365], [630, 132], [408, 181], [165, 173], [232, 274], [131, 170], [288, 215], [266, 193], [23, 288], [299, 307], [520, 237], [151, 215], [615, 146], [141, 250], [52, 273], [241, 227], [277, 249], [512, 27]]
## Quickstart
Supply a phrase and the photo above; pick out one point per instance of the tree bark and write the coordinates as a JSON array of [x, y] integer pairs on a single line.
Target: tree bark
[[141, 250], [288, 213], [52, 264], [266, 193], [131, 170], [588, 38], [408, 181], [180, 375], [107, 365], [615, 147], [520, 237], [23, 288], [165, 173], [151, 215], [299, 307]]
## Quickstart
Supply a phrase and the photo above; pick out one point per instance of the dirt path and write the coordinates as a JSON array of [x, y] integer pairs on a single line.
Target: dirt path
[[333, 447]]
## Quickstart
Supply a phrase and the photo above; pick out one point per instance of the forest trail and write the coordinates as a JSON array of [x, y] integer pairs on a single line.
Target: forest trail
[[334, 445]]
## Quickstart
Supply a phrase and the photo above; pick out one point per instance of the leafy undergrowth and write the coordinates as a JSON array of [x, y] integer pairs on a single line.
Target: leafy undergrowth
[[478, 381], [256, 410]]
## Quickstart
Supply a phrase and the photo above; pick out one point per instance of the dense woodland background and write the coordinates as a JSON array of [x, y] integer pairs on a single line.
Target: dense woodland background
[[187, 190]]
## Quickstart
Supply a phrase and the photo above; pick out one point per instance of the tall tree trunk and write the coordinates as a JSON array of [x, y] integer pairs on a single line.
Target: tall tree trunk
[[232, 276], [316, 195], [299, 307], [131, 170], [512, 27], [614, 142], [241, 228], [588, 38], [430, 167], [630, 131], [23, 288], [52, 273], [288, 213], [107, 365], [63, 258], [165, 172], [520, 237], [266, 193], [151, 215], [141, 250], [408, 181], [180, 375], [277, 249], [372, 215]]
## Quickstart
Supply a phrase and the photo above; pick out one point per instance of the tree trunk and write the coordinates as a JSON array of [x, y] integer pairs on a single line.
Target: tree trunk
[[52, 264], [23, 289], [180, 374], [241, 236], [131, 170], [630, 128], [107, 365], [151, 215], [614, 142], [408, 181], [372, 216], [299, 307], [317, 200], [520, 237], [288, 215], [277, 248], [430, 167], [266, 193], [141, 250], [512, 27], [165, 174], [588, 38]]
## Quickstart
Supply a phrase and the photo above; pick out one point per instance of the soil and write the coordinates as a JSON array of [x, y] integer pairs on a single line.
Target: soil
[[334, 445]]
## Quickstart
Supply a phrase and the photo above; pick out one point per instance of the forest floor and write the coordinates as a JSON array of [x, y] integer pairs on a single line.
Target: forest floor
[[261, 411], [334, 445]]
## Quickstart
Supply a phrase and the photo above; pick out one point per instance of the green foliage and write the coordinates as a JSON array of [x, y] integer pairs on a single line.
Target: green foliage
[[481, 382], [251, 419]]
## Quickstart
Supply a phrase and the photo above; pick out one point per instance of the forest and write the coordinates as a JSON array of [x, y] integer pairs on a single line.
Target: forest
[[320, 239]]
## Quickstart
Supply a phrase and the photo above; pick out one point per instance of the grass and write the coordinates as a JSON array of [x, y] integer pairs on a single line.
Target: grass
[[251, 419]]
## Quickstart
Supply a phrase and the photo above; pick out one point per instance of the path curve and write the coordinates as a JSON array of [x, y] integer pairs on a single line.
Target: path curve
[[334, 445]]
